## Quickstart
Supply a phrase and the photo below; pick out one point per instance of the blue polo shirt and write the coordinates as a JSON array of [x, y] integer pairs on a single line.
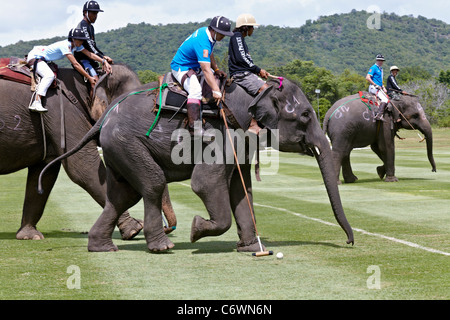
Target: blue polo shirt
[[377, 74], [195, 49]]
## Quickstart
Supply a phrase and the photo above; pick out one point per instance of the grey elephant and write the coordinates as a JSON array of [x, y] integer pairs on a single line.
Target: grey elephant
[[140, 166], [350, 124], [24, 145]]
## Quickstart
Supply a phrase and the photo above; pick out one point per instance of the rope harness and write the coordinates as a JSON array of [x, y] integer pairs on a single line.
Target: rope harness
[[163, 86]]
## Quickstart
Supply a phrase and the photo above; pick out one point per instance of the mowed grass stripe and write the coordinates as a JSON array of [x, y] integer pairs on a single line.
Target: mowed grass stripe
[[422, 204], [317, 264]]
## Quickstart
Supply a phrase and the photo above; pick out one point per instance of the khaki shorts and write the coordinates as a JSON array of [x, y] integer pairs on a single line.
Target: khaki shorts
[[249, 81]]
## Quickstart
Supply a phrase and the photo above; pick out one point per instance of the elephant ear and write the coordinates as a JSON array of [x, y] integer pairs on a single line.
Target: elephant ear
[[100, 100], [263, 110]]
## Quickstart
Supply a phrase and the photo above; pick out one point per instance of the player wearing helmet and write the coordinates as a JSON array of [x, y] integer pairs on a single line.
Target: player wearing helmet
[[376, 87], [90, 12], [40, 55], [195, 54], [241, 66]]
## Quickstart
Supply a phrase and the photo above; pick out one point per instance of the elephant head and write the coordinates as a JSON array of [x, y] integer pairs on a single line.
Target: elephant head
[[411, 116], [287, 109], [110, 86]]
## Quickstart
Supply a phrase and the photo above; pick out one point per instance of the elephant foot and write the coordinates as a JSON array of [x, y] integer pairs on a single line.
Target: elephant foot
[[197, 228], [250, 246], [350, 179], [391, 179], [29, 233], [101, 246], [129, 227], [381, 172], [205, 228], [160, 244]]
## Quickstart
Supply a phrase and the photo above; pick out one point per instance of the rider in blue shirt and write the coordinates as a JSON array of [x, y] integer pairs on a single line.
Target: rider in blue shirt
[[195, 53], [376, 87]]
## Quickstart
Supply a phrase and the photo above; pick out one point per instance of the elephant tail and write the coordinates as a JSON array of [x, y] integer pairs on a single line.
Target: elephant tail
[[90, 135]]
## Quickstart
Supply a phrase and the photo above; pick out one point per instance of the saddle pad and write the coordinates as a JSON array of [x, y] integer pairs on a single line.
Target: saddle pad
[[174, 97], [367, 98], [7, 73]]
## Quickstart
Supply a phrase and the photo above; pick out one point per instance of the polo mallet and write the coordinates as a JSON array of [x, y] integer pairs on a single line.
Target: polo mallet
[[261, 252]]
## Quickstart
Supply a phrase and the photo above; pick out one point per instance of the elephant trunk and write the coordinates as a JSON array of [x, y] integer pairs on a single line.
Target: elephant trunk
[[323, 155], [426, 130]]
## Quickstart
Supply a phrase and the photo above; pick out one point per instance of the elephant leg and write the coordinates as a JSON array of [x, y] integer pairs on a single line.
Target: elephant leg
[[34, 203], [347, 172], [210, 184], [248, 241], [381, 170], [92, 179], [389, 147], [155, 235], [120, 197]]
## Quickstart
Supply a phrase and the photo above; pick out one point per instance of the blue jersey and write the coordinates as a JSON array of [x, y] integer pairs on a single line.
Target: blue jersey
[[195, 49], [376, 74]]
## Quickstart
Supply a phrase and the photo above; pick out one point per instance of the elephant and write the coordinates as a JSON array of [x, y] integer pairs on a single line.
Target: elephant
[[23, 143], [140, 166], [350, 124]]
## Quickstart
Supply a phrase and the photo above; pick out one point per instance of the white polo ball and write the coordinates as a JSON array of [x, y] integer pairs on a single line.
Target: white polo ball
[[280, 255]]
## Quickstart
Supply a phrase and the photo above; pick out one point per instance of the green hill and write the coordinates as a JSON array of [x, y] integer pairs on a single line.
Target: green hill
[[337, 42]]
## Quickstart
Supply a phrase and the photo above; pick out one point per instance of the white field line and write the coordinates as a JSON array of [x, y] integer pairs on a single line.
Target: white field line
[[411, 244]]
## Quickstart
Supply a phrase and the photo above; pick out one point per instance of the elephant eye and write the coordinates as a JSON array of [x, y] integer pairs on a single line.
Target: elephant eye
[[305, 114]]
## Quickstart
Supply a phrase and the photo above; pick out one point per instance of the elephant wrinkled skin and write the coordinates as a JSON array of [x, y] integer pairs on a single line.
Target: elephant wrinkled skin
[[350, 124], [140, 167], [22, 142]]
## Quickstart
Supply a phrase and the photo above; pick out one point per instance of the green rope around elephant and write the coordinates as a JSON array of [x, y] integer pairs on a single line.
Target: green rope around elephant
[[162, 87]]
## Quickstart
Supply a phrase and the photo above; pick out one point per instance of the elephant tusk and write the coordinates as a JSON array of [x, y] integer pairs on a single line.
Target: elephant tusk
[[317, 150]]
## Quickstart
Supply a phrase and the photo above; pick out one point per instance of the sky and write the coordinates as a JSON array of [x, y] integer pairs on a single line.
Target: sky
[[28, 21]]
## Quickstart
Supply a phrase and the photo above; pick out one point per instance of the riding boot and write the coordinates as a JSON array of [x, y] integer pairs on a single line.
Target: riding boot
[[380, 113], [193, 114]]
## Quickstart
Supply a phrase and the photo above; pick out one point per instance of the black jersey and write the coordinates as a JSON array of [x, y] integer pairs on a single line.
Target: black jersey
[[239, 59], [391, 84], [90, 45]]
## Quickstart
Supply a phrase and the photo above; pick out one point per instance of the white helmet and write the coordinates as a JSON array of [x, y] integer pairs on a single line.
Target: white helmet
[[394, 68], [246, 19]]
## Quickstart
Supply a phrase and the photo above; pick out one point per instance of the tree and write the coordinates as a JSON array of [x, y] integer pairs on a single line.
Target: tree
[[147, 76], [444, 77]]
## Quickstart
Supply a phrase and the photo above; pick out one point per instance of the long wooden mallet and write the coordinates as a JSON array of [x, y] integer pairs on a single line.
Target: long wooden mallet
[[261, 252]]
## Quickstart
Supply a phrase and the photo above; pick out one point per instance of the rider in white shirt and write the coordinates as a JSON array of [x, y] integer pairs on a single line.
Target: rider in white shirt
[[56, 51]]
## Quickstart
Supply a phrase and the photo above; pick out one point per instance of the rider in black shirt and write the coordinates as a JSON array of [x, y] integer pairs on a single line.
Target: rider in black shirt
[[90, 12], [391, 86]]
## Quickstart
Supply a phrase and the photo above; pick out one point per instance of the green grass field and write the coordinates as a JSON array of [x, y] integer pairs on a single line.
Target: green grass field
[[401, 251]]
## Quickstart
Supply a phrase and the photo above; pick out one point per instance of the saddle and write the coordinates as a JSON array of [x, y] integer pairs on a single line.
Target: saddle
[[15, 69], [174, 97], [18, 70], [368, 99]]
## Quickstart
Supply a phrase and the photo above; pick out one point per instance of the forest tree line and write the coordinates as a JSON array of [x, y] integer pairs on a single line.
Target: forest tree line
[[332, 54]]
